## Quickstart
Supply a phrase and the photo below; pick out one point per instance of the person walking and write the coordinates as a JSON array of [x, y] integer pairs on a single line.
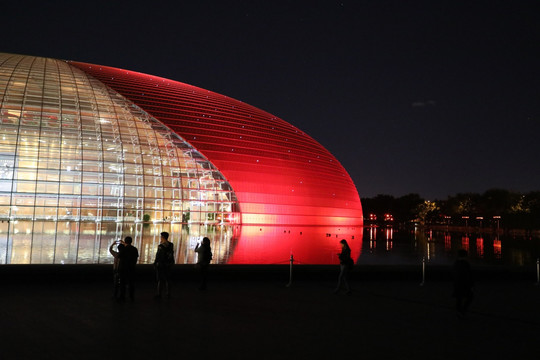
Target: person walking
[[127, 259], [162, 264], [204, 256], [345, 265], [116, 273], [463, 283]]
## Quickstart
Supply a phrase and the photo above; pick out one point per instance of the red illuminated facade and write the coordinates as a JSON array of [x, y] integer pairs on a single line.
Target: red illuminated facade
[[279, 174]]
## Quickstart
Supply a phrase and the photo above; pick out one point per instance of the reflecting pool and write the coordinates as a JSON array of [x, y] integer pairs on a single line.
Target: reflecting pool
[[411, 246], [272, 245]]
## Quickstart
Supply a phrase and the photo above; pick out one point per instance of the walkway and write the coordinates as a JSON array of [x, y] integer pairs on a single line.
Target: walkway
[[264, 319]]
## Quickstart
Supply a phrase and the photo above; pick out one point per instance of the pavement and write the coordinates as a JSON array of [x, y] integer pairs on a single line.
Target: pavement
[[250, 312]]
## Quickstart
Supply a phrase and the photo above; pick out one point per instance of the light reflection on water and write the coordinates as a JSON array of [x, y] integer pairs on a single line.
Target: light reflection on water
[[307, 244], [405, 247], [369, 245], [276, 244]]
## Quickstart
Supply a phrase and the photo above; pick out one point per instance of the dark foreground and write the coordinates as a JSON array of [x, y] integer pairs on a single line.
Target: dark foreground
[[258, 317]]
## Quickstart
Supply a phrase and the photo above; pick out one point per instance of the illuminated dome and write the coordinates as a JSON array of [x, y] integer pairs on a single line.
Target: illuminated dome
[[279, 173], [91, 153]]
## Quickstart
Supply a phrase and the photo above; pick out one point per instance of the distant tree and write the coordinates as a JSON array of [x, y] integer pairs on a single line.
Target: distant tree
[[462, 204], [379, 205], [497, 202], [405, 209], [428, 212], [532, 202], [516, 210]]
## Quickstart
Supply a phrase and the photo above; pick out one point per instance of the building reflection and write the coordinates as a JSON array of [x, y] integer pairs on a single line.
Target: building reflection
[[389, 237], [497, 248], [465, 242], [480, 247], [372, 238], [234, 244], [447, 242], [307, 244]]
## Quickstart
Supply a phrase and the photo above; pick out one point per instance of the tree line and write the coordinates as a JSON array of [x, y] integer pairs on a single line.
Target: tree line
[[495, 207]]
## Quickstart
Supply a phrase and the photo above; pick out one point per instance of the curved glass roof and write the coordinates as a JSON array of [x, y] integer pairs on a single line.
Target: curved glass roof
[[82, 166]]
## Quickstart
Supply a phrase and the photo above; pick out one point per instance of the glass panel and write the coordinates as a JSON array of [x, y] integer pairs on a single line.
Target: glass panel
[[66, 242], [43, 242], [89, 168], [4, 229], [20, 241]]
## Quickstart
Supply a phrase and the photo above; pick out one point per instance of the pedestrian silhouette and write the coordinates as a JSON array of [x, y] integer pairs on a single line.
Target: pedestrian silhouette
[[204, 256], [127, 256], [116, 272], [345, 266], [162, 264], [463, 283]]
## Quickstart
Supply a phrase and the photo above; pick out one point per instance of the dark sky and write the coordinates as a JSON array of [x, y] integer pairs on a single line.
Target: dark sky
[[428, 97]]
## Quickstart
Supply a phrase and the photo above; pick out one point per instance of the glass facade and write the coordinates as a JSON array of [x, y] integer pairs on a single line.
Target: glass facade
[[82, 166]]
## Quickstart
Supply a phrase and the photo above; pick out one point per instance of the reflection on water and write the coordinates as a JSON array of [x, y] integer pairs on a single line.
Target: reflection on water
[[273, 245], [307, 244], [440, 247]]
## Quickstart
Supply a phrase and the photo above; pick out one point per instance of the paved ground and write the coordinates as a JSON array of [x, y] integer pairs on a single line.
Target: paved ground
[[262, 318]]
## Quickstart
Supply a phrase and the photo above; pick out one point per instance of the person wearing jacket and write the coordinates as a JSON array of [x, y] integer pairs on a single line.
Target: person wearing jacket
[[162, 264]]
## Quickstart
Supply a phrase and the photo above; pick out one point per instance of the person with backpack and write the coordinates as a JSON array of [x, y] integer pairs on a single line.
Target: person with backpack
[[204, 256], [162, 264]]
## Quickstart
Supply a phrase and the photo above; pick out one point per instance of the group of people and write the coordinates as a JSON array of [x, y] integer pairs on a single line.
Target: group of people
[[126, 256], [125, 259]]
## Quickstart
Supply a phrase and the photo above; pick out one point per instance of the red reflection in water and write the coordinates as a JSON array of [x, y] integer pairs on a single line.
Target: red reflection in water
[[497, 248], [447, 242], [465, 242], [389, 238], [308, 245], [480, 247]]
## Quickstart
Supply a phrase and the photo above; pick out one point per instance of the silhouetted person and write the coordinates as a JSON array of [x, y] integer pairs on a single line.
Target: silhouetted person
[[126, 266], [463, 283], [204, 256], [162, 264], [116, 273], [345, 265]]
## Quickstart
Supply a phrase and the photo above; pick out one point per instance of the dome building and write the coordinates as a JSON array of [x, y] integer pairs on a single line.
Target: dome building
[[90, 154]]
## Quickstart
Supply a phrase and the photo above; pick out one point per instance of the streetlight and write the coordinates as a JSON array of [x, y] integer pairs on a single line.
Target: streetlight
[[480, 218], [498, 218]]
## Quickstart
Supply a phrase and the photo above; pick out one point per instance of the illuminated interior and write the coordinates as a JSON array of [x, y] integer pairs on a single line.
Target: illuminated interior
[[83, 167], [90, 154]]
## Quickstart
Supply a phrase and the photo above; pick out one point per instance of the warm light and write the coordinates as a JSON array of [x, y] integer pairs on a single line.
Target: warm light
[[480, 247], [497, 248], [203, 117]]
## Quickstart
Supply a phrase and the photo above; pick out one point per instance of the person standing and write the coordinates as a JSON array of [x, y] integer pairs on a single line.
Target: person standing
[[127, 259], [162, 264], [116, 273], [345, 265], [463, 283], [204, 256]]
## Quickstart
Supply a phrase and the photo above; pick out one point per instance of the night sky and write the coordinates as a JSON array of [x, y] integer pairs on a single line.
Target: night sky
[[427, 97]]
